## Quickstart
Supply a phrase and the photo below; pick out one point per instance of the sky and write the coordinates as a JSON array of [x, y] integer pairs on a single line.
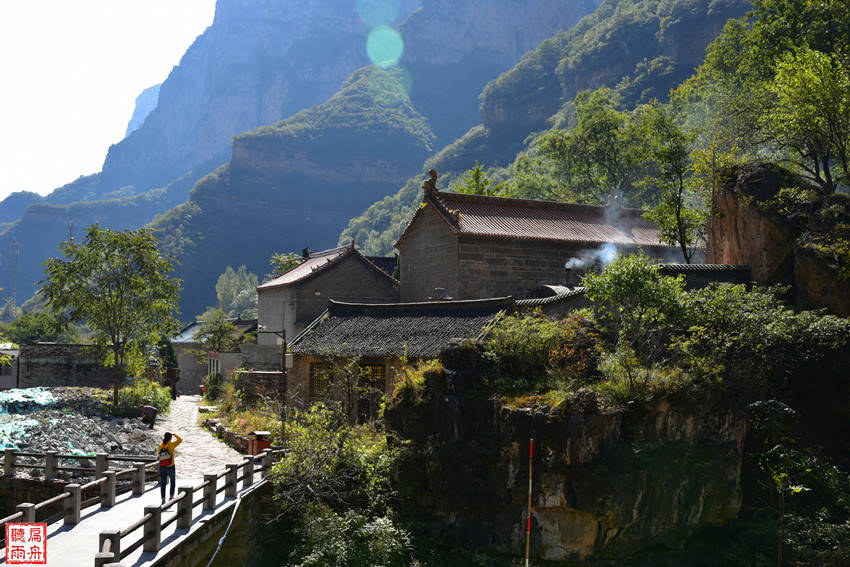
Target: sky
[[71, 71]]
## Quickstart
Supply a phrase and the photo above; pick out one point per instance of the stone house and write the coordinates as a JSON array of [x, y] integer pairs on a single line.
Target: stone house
[[480, 246], [377, 339], [191, 371], [294, 299]]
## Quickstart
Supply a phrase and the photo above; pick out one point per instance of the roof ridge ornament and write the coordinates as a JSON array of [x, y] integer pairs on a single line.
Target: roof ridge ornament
[[430, 185]]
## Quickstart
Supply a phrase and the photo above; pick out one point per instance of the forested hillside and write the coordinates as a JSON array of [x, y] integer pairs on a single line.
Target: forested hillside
[[641, 49]]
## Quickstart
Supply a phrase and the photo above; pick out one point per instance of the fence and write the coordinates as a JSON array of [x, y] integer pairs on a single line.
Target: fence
[[151, 524], [71, 499]]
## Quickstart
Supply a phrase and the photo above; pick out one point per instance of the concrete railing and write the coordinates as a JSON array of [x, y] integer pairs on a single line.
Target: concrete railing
[[110, 544], [71, 499]]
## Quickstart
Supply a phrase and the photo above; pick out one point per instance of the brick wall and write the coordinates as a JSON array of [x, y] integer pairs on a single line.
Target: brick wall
[[428, 259], [62, 365], [350, 280]]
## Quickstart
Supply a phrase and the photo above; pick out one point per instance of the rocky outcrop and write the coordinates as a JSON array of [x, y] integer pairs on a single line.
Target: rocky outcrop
[[617, 43], [781, 241], [605, 483], [145, 102]]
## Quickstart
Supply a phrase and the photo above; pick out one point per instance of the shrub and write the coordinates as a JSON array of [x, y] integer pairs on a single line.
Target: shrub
[[410, 381], [214, 383], [519, 347], [142, 392], [351, 539], [579, 349], [332, 463]]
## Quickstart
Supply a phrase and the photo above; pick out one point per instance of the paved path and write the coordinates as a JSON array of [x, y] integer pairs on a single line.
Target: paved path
[[199, 453]]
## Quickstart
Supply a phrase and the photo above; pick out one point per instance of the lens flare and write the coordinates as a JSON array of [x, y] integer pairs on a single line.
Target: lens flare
[[384, 46], [390, 87], [378, 12]]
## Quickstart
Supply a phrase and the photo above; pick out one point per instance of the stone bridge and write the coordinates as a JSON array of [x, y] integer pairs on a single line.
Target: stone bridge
[[117, 519]]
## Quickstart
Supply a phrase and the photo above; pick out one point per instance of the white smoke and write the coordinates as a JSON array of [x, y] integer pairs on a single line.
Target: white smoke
[[603, 255]]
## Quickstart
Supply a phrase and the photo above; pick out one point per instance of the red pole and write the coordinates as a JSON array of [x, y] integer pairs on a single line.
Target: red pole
[[528, 523]]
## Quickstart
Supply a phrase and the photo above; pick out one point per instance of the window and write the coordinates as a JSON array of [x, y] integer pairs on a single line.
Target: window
[[320, 380], [373, 384]]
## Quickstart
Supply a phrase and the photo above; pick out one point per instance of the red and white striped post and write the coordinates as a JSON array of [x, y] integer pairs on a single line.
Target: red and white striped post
[[528, 522]]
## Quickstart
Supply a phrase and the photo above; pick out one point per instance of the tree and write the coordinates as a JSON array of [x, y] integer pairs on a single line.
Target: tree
[[601, 155], [237, 292], [475, 182], [118, 283], [811, 115], [40, 326], [216, 333], [283, 262], [667, 146]]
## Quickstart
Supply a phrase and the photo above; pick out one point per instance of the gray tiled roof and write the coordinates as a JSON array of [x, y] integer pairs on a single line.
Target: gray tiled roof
[[419, 330]]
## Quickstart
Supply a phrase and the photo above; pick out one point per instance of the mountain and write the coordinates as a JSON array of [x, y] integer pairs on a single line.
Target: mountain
[[641, 48], [145, 102], [296, 183], [262, 61], [14, 205]]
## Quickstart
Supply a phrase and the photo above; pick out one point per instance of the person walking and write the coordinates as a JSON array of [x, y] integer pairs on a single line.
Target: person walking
[[166, 463]]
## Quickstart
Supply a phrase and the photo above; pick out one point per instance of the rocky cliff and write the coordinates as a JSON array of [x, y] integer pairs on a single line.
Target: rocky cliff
[[789, 234], [145, 102], [605, 483]]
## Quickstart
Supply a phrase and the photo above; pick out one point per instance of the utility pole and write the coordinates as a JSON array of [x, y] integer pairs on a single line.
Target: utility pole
[[528, 523]]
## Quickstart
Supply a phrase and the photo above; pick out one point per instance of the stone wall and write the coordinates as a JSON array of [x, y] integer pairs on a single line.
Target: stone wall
[[351, 280], [428, 259], [260, 357], [191, 371], [49, 364], [605, 483]]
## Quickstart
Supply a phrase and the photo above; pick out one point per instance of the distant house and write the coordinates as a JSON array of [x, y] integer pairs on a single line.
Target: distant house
[[378, 337], [9, 371], [294, 299], [479, 246], [191, 371]]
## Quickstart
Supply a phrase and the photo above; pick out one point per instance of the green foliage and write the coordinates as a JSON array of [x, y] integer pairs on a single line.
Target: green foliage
[[579, 349], [351, 539], [519, 346], [40, 326], [633, 302], [327, 462], [142, 392], [668, 148], [475, 182], [283, 262], [601, 155], [411, 380], [118, 284], [811, 115], [214, 384], [217, 333], [237, 293]]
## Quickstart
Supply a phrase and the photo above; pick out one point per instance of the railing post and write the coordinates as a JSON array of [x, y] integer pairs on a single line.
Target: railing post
[[73, 504], [209, 491], [9, 463], [99, 464], [267, 463], [28, 510], [104, 558], [107, 490], [248, 471], [50, 464], [139, 484], [184, 507], [114, 537], [152, 528], [230, 481]]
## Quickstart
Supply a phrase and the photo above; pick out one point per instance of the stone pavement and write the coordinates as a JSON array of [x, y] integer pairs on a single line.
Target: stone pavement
[[200, 453]]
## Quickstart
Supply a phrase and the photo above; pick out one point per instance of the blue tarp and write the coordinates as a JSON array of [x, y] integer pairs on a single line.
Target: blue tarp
[[13, 405]]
